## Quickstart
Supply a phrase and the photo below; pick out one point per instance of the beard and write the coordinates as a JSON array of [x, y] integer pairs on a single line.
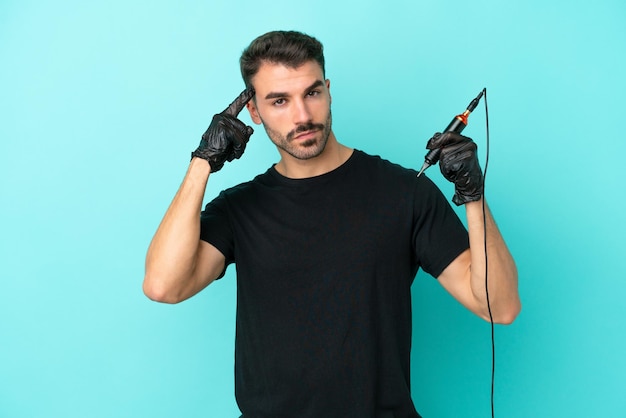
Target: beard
[[302, 150]]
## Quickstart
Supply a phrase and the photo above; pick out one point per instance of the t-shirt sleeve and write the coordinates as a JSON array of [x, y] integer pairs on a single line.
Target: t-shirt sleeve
[[215, 227], [439, 235]]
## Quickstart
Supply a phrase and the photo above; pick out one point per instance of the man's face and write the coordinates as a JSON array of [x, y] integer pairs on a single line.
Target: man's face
[[294, 107]]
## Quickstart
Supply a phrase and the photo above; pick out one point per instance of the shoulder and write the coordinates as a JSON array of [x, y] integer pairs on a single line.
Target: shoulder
[[383, 170], [237, 196], [383, 165], [265, 179]]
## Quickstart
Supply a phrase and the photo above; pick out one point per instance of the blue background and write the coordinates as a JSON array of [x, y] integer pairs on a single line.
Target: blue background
[[102, 102]]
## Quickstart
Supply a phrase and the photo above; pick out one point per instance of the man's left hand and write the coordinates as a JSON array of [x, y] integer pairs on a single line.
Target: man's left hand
[[459, 164]]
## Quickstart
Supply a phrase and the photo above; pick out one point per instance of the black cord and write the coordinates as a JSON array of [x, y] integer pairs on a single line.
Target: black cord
[[493, 339]]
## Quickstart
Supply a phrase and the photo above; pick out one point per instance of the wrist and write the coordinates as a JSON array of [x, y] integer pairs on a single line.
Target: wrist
[[475, 205], [199, 166], [460, 198]]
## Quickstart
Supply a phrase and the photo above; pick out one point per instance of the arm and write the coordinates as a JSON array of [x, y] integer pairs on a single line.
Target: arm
[[464, 278], [178, 263]]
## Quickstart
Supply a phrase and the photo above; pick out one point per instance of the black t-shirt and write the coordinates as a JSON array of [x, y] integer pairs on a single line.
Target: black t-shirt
[[324, 269]]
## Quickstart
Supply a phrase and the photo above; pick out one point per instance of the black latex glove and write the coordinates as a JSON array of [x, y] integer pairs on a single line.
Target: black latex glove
[[459, 164], [227, 136]]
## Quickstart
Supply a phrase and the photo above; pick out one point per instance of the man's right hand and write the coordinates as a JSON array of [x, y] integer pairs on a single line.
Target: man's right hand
[[227, 136]]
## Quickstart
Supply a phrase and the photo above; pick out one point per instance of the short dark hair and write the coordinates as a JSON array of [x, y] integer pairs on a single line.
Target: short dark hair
[[289, 48]]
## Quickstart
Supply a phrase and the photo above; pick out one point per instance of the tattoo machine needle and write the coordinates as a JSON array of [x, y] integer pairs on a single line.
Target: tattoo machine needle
[[457, 125]]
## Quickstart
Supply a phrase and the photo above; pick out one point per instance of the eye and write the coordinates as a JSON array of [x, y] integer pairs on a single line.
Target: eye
[[278, 102], [313, 93]]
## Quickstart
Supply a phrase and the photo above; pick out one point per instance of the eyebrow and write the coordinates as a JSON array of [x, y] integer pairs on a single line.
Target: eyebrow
[[278, 95]]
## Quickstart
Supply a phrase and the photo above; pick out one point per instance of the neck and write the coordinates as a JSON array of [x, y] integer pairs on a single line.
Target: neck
[[333, 156]]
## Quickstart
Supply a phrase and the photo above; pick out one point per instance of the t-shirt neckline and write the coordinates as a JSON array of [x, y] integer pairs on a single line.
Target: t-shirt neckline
[[307, 180]]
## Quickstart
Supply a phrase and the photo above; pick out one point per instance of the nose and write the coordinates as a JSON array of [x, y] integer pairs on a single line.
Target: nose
[[301, 112]]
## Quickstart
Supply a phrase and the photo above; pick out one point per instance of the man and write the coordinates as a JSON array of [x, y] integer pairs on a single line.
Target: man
[[327, 243]]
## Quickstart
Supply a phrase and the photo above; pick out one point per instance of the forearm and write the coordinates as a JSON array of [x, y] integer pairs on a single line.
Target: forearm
[[502, 272], [172, 254]]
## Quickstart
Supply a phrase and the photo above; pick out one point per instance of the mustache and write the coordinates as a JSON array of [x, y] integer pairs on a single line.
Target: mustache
[[310, 126]]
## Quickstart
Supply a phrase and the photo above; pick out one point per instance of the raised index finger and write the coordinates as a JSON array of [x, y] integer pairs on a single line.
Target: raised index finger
[[239, 103]]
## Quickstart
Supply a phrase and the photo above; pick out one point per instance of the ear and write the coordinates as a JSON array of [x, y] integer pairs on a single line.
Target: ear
[[254, 112], [328, 88]]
